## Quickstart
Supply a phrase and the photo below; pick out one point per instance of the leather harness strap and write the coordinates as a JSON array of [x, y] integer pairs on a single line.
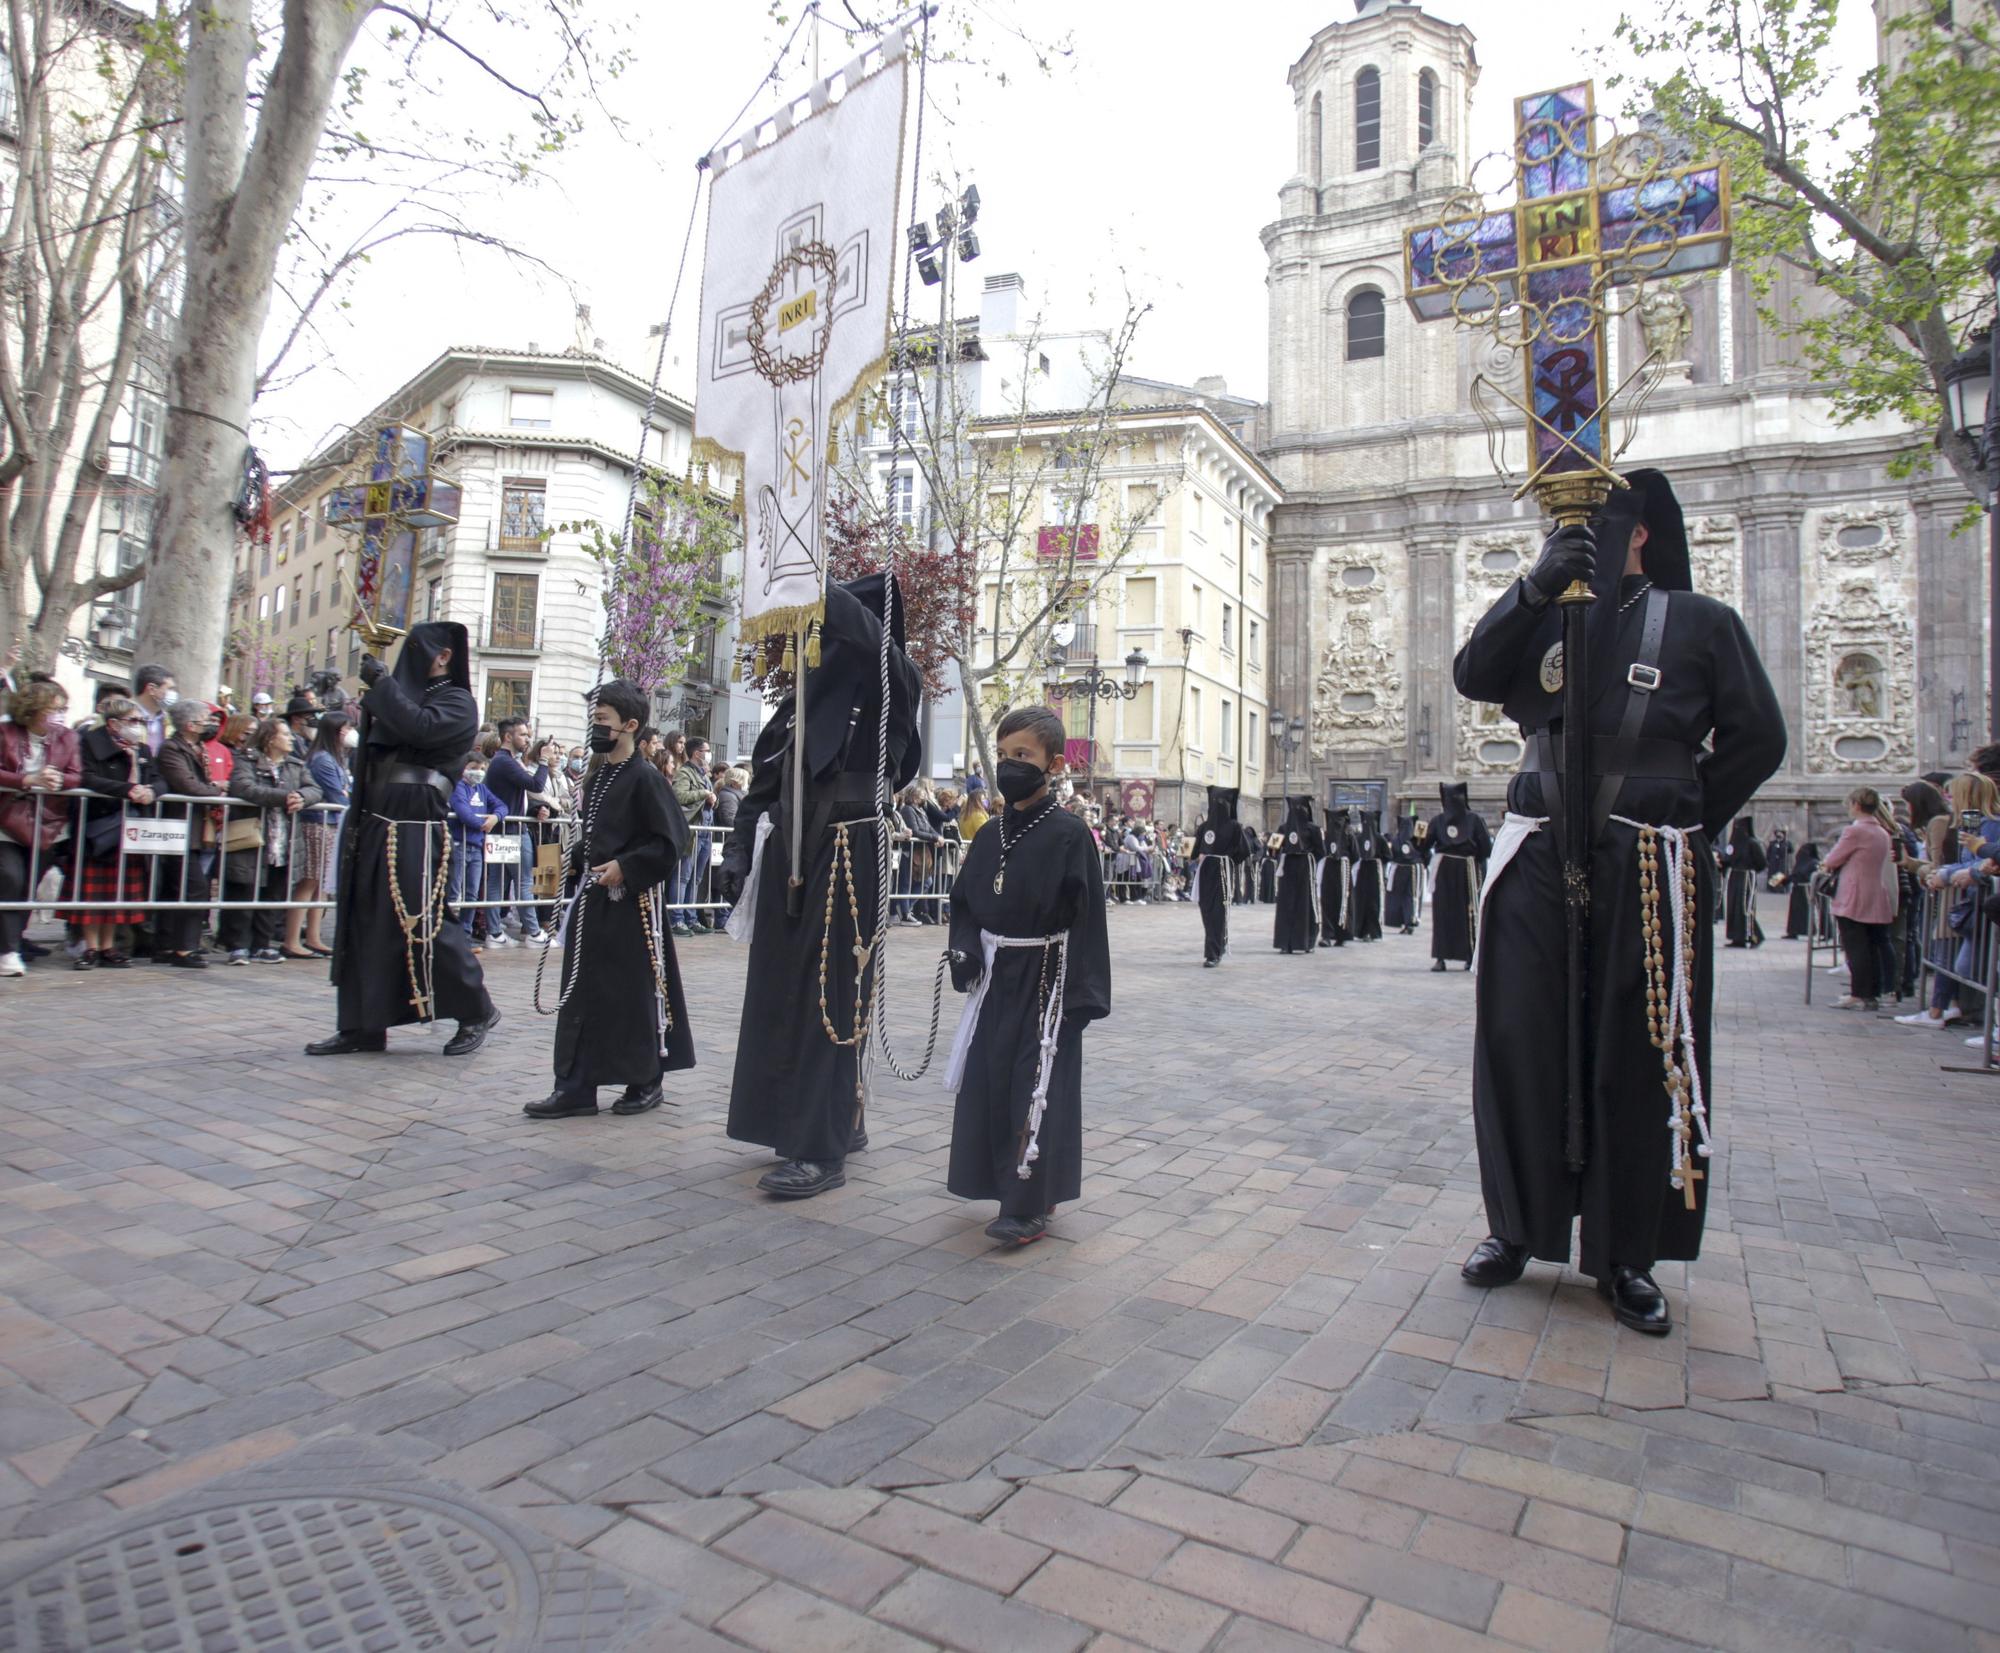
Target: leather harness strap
[[1642, 677]]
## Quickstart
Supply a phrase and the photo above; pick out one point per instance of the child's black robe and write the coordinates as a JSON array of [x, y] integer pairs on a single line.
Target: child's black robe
[[1460, 838], [607, 1032], [1742, 859], [1219, 843], [1053, 883]]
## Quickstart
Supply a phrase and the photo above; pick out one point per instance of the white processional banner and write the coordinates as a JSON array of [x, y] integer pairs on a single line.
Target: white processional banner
[[795, 305]]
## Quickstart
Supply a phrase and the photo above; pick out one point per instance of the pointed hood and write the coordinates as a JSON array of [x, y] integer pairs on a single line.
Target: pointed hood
[[1222, 802], [1649, 499], [423, 645], [1742, 834], [1455, 796]]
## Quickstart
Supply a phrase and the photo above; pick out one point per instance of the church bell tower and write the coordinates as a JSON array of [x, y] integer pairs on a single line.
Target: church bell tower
[[1383, 107]]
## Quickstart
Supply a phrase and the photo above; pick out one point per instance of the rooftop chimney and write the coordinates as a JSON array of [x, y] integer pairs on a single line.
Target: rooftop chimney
[[1000, 305]]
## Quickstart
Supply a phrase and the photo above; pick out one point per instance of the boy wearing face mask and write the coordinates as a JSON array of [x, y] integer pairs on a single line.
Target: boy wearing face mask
[[622, 1018], [1030, 950], [474, 813]]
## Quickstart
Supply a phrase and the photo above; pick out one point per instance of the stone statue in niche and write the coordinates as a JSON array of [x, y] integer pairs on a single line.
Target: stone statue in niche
[[1665, 321], [1858, 680]]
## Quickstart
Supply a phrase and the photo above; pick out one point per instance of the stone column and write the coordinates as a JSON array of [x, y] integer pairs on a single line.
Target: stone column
[[1951, 622], [1774, 557]]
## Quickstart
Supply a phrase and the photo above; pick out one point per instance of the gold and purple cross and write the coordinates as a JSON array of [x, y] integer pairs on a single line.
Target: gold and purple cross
[[1586, 218], [401, 496]]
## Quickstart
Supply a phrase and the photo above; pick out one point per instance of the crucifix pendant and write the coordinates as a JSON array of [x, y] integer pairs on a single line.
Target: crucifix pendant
[[1689, 1177]]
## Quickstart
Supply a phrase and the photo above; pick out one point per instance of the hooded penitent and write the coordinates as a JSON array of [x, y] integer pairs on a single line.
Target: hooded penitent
[[1219, 843], [1299, 845], [1684, 727]]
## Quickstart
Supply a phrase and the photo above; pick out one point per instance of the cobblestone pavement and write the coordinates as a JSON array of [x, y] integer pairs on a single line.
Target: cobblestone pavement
[[1241, 1401]]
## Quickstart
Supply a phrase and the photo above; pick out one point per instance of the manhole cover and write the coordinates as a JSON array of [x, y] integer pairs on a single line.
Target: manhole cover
[[357, 1573]]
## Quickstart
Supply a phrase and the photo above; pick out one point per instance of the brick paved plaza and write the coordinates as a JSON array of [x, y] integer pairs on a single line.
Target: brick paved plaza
[[1241, 1402]]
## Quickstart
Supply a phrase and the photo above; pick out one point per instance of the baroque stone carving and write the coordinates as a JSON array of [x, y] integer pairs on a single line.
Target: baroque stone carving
[[1714, 549], [1358, 689], [1860, 646], [1665, 321], [1488, 743]]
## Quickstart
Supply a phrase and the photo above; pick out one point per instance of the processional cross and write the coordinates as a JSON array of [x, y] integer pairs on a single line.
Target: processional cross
[[401, 495], [1541, 275]]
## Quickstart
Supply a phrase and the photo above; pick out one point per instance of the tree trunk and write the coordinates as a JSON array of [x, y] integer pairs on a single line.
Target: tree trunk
[[238, 208]]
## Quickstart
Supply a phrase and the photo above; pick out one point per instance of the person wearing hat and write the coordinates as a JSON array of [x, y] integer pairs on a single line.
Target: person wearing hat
[[1684, 728], [261, 705], [302, 713]]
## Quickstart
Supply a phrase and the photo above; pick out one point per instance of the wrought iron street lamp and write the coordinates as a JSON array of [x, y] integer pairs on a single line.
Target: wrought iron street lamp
[[1970, 404], [1098, 684], [1289, 733]]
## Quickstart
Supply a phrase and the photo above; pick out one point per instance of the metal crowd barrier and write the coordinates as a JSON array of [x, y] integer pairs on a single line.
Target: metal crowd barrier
[[1822, 934], [1967, 958]]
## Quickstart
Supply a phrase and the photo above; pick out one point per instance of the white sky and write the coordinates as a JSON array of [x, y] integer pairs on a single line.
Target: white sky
[[1157, 148]]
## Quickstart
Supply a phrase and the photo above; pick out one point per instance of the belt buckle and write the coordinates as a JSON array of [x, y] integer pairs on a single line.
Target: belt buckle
[[1643, 677]]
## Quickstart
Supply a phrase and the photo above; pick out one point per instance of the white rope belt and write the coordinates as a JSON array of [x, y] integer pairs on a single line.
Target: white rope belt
[[1051, 1031], [1680, 1035]]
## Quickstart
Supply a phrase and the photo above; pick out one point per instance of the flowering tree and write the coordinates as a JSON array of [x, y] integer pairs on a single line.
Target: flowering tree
[[938, 593], [667, 586]]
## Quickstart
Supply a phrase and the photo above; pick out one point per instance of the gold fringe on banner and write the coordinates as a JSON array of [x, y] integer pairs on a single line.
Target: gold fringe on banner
[[786, 622], [812, 648], [790, 662]]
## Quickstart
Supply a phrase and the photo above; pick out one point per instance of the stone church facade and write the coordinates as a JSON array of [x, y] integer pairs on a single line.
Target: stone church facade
[[1396, 533]]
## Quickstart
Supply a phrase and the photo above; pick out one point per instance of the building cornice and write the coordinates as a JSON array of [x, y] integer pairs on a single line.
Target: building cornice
[[1165, 415]]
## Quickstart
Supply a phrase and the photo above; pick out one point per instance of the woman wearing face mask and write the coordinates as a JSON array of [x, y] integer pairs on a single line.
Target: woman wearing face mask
[[272, 776], [474, 813], [117, 764], [319, 842]]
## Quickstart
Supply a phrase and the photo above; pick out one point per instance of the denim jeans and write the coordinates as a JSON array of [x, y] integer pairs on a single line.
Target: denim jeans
[[468, 878]]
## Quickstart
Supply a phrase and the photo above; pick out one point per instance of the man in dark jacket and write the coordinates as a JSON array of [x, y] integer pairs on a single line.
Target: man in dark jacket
[[397, 958]]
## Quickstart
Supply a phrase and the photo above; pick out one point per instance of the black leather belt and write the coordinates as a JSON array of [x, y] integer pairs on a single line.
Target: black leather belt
[[1646, 759], [415, 774]]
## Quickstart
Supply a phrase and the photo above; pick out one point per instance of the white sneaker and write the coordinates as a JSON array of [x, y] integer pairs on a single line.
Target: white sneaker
[[11, 965], [500, 938], [1923, 1018], [1847, 1001], [1976, 1041]]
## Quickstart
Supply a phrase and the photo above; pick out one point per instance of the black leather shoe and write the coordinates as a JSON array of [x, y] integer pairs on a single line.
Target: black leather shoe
[[470, 1036], [1018, 1230], [639, 1099], [1637, 1302], [1494, 1262], [1437, 966], [348, 1044], [562, 1105], [800, 1179]]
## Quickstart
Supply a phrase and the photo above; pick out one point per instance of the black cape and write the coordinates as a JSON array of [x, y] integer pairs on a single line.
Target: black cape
[[1461, 841], [1369, 854], [608, 1030], [1742, 859], [1220, 844], [1711, 682], [1300, 846], [1054, 883], [408, 717], [1409, 855], [794, 1089], [1267, 875]]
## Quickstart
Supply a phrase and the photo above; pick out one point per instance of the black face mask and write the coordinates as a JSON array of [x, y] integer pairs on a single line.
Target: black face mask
[[602, 740], [1019, 779]]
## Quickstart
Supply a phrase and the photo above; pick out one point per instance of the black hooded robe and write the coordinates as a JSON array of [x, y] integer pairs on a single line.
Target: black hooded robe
[[1300, 846], [1461, 842], [1777, 860], [1267, 875], [1219, 843], [1710, 682], [1054, 883], [1799, 908], [1369, 852], [1742, 859], [1409, 856], [794, 1089], [608, 1030], [412, 719], [1336, 882]]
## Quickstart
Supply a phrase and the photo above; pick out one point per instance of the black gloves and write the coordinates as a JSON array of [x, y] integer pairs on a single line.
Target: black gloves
[[966, 969], [1567, 554], [371, 670]]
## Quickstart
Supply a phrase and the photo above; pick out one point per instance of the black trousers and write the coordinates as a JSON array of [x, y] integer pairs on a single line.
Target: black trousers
[[1870, 964], [242, 929], [181, 878], [13, 887]]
